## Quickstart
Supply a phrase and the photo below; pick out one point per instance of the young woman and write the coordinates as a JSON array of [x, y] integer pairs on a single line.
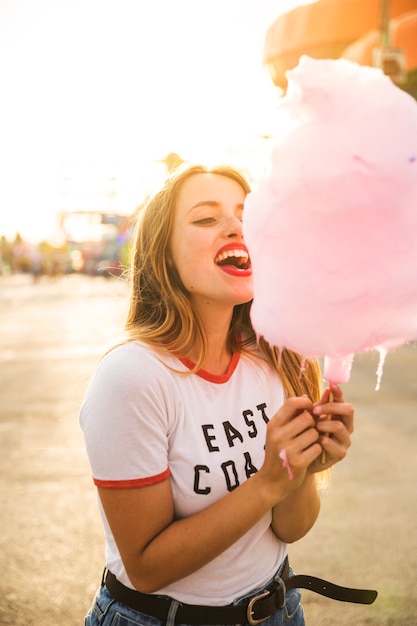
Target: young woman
[[204, 441]]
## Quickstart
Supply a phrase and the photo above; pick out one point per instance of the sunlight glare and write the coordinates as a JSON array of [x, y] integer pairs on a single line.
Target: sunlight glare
[[112, 87]]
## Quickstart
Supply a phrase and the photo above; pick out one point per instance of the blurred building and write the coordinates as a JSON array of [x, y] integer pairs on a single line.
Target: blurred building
[[98, 241], [96, 216]]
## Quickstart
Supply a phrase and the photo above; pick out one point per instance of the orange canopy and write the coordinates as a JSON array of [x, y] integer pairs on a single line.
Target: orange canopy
[[402, 34], [323, 29]]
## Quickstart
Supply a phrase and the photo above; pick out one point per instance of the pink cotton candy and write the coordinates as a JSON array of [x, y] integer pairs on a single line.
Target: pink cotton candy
[[332, 227], [337, 368], [285, 464]]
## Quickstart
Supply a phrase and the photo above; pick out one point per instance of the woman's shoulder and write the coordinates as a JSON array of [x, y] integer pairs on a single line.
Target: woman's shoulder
[[137, 358]]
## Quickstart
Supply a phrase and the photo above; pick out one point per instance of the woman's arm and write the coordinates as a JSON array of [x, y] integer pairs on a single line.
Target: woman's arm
[[156, 550], [148, 537], [293, 517]]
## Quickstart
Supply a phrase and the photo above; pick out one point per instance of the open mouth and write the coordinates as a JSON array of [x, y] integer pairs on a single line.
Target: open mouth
[[236, 258]]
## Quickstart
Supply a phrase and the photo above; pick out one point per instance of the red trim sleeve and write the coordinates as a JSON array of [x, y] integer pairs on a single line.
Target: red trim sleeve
[[133, 482]]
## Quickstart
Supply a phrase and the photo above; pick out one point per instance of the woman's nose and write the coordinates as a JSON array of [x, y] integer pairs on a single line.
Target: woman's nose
[[234, 228]]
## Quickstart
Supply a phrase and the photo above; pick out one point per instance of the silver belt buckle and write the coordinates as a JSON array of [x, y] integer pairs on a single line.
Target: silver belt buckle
[[250, 610]]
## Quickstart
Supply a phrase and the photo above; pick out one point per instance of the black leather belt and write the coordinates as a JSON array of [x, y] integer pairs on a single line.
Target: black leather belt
[[254, 610]]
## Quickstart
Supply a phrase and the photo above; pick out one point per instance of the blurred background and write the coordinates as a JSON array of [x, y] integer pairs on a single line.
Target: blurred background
[[99, 96], [100, 99]]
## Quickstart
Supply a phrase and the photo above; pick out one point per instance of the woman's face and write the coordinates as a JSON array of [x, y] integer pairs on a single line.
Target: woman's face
[[207, 243]]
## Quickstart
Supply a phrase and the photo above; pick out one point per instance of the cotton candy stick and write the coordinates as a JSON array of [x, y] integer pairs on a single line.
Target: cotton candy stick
[[336, 370], [323, 456]]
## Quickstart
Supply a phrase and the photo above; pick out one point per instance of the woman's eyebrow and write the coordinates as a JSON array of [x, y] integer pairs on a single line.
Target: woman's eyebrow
[[206, 203], [214, 203]]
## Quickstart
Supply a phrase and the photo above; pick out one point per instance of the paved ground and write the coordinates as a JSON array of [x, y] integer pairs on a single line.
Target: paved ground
[[51, 542]]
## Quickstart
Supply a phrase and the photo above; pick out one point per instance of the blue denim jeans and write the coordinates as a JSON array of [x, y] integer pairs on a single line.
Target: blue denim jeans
[[106, 611]]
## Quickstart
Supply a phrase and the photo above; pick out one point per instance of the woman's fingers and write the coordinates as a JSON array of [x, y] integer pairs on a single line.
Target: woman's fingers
[[292, 408], [335, 446], [335, 424], [332, 406], [300, 431], [291, 442], [336, 429]]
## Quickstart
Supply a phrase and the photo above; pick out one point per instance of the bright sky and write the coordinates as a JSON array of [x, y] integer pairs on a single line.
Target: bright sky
[[94, 92]]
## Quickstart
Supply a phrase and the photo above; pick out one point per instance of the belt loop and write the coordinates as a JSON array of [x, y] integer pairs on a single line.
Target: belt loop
[[172, 613], [281, 589], [282, 593]]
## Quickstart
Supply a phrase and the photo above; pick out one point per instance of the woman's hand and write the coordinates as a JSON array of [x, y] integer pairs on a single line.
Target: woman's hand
[[334, 425], [292, 445], [309, 433]]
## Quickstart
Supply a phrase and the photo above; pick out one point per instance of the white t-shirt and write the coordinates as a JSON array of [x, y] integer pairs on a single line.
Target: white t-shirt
[[144, 423]]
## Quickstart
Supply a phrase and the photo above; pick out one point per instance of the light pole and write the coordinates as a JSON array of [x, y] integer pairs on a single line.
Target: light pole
[[389, 59], [384, 17]]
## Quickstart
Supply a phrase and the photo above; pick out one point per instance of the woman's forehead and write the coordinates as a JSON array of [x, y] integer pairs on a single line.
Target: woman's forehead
[[208, 188]]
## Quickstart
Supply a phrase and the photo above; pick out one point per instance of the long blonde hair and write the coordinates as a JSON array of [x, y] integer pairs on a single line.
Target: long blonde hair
[[160, 312]]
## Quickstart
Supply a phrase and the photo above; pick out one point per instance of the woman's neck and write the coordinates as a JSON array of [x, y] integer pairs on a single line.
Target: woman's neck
[[218, 355], [217, 363]]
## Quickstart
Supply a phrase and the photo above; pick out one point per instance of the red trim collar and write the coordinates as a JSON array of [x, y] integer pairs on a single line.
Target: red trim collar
[[214, 378]]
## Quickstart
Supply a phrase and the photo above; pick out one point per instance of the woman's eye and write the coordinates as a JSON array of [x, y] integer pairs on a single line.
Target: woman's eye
[[205, 221]]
